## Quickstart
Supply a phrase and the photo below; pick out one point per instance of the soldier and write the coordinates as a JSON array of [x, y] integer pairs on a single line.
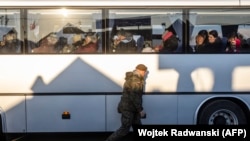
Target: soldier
[[130, 105]]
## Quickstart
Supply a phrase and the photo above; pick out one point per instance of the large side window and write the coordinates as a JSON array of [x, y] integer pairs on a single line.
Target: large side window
[[10, 38], [219, 31], [144, 31], [67, 31]]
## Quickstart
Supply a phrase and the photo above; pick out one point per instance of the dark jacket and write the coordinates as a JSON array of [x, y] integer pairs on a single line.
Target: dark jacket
[[201, 48], [215, 47], [170, 45], [131, 99], [126, 47], [11, 47], [89, 48]]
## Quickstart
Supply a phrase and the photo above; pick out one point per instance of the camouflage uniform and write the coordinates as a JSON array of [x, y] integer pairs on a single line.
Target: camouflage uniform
[[130, 104]]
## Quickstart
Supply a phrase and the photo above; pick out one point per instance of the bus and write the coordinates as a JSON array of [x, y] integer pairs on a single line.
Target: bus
[[51, 81]]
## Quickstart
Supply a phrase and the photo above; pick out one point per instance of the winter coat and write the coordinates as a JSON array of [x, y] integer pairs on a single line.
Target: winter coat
[[89, 48], [126, 46], [131, 99], [45, 47], [11, 47], [201, 48], [215, 47], [169, 45]]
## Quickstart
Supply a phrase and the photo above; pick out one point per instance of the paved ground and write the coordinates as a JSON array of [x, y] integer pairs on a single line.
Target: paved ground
[[68, 137]]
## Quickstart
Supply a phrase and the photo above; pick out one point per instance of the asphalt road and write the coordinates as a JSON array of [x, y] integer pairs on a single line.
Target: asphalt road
[[68, 137]]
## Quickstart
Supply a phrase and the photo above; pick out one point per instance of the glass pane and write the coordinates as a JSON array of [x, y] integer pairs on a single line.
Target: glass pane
[[232, 26], [10, 32], [64, 31], [145, 31]]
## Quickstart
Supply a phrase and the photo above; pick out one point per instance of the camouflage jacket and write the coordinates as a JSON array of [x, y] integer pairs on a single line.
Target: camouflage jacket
[[131, 99]]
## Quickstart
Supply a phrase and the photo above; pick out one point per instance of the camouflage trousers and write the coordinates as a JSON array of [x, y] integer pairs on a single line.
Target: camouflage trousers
[[128, 120]]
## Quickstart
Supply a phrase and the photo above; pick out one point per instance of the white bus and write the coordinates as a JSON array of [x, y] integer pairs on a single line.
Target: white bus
[[46, 86]]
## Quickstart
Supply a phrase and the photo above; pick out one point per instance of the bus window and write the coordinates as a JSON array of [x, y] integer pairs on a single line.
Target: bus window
[[145, 31], [244, 35], [10, 32], [67, 31], [225, 22]]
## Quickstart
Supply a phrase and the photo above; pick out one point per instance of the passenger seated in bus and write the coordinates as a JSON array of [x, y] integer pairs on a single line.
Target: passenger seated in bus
[[10, 43], [67, 49], [77, 41], [124, 42], [243, 43], [89, 45], [214, 42], [169, 43], [233, 44], [201, 41], [63, 46], [2, 43], [47, 44], [147, 48]]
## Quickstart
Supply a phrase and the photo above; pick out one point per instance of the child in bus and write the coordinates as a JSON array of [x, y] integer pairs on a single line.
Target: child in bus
[[233, 44]]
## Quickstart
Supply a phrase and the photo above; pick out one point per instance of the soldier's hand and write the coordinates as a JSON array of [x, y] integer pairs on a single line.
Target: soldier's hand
[[143, 114]]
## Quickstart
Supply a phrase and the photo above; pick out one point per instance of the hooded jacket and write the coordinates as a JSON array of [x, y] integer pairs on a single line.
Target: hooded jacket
[[131, 99]]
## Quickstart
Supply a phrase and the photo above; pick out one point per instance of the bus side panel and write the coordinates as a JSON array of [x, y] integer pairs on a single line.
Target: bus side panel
[[113, 117], [187, 107], [245, 98], [160, 109], [12, 110], [87, 113]]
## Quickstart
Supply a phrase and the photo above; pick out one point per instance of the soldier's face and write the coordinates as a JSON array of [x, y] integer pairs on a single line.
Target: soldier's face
[[144, 73]]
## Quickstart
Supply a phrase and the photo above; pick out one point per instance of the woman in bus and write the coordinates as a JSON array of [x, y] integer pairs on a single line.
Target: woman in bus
[[47, 44], [214, 42], [201, 41], [90, 44], [169, 43], [233, 44]]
